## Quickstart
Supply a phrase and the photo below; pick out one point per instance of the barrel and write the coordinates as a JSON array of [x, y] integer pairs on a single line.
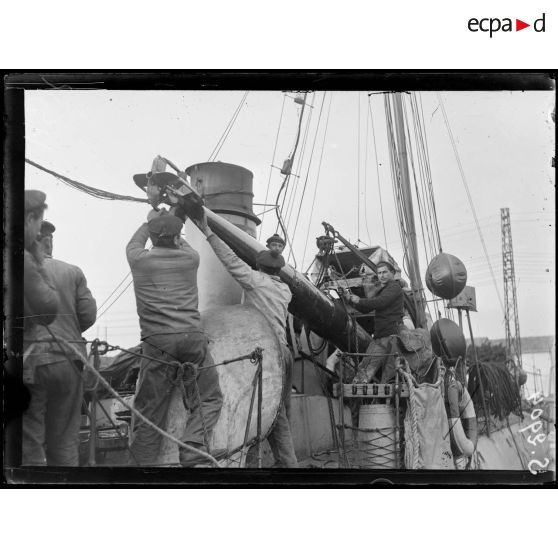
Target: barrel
[[376, 437]]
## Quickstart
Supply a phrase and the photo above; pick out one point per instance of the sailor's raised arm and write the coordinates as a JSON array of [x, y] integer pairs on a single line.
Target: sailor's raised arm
[[135, 248], [239, 270]]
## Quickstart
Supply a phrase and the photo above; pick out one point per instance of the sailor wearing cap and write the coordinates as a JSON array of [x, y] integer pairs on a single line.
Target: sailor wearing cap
[[35, 205], [275, 244], [40, 296], [264, 290], [52, 422], [45, 238], [165, 285]]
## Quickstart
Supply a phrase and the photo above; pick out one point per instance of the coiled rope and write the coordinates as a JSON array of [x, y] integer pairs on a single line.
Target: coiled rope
[[501, 393]]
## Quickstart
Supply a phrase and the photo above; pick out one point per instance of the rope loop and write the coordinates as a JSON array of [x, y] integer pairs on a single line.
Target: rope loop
[[256, 356], [182, 373]]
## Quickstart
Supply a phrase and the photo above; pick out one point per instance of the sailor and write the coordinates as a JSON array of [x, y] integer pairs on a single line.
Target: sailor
[[387, 302], [51, 424], [165, 285], [40, 296], [264, 290], [40, 304], [275, 244]]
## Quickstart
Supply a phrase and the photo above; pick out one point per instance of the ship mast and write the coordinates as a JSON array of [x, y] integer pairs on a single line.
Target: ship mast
[[407, 201]]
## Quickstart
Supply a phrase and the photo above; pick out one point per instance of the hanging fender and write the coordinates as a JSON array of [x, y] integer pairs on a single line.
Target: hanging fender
[[462, 419]]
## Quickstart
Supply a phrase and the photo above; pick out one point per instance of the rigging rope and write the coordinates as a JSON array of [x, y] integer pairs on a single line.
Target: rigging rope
[[317, 179], [114, 301], [378, 173], [470, 199], [228, 128], [358, 166], [272, 160], [425, 218], [309, 164], [294, 190], [114, 290], [396, 185], [366, 180], [283, 188], [426, 155]]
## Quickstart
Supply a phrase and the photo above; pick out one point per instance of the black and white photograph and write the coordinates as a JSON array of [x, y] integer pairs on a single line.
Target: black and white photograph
[[260, 279]]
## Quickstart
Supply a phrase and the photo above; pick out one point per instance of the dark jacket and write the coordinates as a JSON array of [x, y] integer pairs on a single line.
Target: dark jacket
[[40, 297], [166, 287], [388, 306], [77, 310]]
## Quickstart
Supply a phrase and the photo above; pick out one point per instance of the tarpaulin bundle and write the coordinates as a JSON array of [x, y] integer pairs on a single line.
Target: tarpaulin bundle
[[501, 392]]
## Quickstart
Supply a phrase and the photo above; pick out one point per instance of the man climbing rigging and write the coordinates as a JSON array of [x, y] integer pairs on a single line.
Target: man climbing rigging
[[387, 303], [165, 285], [264, 290]]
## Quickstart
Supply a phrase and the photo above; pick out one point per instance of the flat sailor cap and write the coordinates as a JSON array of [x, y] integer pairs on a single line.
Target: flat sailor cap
[[47, 228], [165, 225], [34, 199], [275, 238]]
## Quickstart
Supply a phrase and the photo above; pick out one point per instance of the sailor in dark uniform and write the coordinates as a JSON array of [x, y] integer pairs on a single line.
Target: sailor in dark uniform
[[388, 306]]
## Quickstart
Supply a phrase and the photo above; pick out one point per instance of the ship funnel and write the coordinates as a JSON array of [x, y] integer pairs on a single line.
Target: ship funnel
[[227, 190]]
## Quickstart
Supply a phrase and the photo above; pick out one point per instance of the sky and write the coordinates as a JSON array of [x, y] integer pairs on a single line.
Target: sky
[[505, 141]]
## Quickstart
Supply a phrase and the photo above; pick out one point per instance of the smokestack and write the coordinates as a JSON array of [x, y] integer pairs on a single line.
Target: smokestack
[[228, 191]]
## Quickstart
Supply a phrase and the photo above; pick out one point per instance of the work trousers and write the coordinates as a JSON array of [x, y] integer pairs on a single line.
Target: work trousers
[[280, 438], [378, 351], [156, 383], [50, 426]]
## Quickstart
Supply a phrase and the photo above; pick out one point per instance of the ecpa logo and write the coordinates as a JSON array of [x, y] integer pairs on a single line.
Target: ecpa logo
[[492, 25]]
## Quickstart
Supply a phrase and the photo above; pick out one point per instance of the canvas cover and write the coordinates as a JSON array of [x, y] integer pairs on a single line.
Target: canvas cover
[[431, 436]]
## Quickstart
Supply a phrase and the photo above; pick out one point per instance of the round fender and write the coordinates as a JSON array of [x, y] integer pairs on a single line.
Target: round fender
[[448, 341], [446, 276], [460, 409]]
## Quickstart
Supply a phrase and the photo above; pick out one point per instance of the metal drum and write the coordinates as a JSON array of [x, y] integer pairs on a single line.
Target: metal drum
[[376, 437]]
